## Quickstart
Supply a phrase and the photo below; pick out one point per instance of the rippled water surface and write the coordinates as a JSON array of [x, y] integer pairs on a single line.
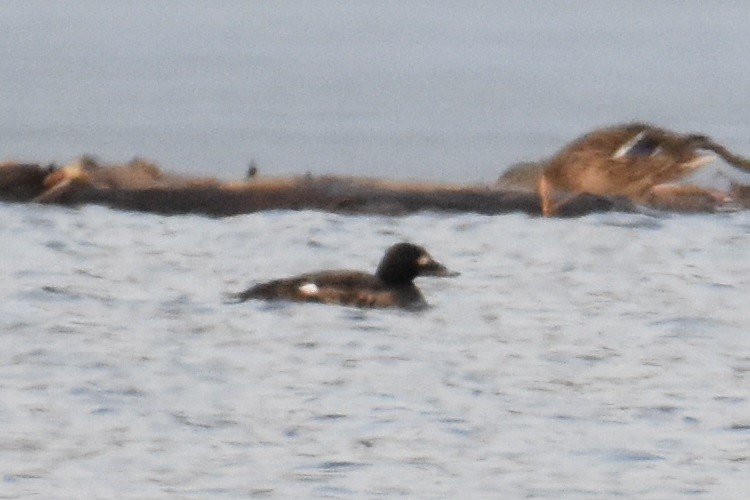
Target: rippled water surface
[[599, 357]]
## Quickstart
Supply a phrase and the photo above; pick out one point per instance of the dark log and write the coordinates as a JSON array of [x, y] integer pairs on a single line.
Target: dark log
[[344, 195], [21, 181], [93, 184]]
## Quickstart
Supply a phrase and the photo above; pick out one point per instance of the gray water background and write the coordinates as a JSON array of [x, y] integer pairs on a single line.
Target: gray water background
[[427, 90], [600, 357]]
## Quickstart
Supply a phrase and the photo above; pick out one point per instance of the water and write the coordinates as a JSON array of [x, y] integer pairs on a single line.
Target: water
[[421, 89], [598, 357]]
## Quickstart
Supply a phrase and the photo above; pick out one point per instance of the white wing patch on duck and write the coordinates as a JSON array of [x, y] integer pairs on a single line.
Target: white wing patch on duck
[[309, 289]]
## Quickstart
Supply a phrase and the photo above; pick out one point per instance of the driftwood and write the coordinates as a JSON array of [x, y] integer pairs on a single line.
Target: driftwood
[[616, 168], [141, 186], [21, 181]]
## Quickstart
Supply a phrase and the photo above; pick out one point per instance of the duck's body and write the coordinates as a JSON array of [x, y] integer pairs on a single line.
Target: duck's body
[[351, 288], [391, 286], [636, 161]]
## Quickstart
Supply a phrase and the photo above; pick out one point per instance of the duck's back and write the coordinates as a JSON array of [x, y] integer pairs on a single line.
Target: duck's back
[[352, 288], [624, 160]]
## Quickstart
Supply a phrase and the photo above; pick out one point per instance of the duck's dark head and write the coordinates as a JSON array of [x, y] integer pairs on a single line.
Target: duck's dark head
[[404, 261]]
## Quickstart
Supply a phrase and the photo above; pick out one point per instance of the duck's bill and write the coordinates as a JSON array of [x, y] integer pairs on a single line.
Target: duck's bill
[[434, 268]]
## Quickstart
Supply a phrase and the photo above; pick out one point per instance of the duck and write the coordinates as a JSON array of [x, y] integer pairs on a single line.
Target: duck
[[392, 285], [636, 161]]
